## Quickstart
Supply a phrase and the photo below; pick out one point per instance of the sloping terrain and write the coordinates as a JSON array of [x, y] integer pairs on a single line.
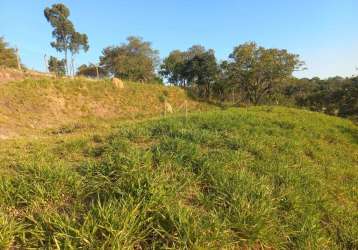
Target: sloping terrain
[[9, 74], [258, 178], [29, 105]]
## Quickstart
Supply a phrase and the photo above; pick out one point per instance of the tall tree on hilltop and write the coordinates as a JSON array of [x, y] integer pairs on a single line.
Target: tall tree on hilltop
[[57, 16], [66, 37], [136, 60], [258, 70]]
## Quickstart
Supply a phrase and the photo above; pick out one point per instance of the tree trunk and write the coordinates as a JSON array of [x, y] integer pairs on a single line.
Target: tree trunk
[[208, 91], [66, 63]]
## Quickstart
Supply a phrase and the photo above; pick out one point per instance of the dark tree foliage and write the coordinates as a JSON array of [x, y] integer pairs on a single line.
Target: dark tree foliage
[[7, 55], [336, 95], [196, 67], [172, 68], [57, 66], [201, 70], [252, 71], [91, 70], [224, 88], [135, 60]]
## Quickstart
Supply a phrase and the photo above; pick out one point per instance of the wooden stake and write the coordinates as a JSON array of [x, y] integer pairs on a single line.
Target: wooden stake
[[18, 59], [233, 95], [97, 72], [45, 63], [73, 67]]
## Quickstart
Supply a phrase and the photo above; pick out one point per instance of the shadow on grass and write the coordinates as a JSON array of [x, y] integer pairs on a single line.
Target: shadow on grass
[[351, 132], [193, 95]]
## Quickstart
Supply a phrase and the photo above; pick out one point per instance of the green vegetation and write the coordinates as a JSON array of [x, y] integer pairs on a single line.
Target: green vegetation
[[90, 164], [57, 66], [252, 69], [250, 75], [259, 177], [91, 70], [7, 55], [136, 60], [65, 35], [334, 96]]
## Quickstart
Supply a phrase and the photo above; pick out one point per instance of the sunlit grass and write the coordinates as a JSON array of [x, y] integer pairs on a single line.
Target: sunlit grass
[[260, 177]]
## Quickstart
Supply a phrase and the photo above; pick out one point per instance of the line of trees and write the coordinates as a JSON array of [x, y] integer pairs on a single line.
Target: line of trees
[[251, 74], [250, 69], [335, 95]]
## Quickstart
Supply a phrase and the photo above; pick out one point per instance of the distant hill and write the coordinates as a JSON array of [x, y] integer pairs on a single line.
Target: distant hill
[[246, 178]]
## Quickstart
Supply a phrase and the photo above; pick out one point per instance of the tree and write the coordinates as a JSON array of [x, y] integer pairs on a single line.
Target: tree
[[335, 95], [66, 37], [78, 42], [57, 16], [8, 56], [135, 60], [91, 71], [57, 66], [258, 70], [196, 67], [172, 68], [223, 88], [201, 70]]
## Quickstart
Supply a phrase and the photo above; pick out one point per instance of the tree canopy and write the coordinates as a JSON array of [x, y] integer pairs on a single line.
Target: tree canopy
[[201, 70], [7, 55], [257, 70], [135, 60], [57, 66], [91, 70], [173, 66], [195, 67], [64, 33]]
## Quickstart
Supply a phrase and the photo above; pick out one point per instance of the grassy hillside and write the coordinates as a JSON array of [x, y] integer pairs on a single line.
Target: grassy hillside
[[46, 103], [11, 74], [260, 177]]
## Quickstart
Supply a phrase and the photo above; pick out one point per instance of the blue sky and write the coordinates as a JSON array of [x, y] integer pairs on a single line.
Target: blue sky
[[323, 32]]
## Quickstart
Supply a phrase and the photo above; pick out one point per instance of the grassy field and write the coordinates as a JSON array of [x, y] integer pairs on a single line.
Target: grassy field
[[261, 178]]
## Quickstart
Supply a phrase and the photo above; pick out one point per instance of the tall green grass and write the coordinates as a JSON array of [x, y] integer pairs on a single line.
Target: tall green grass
[[243, 178]]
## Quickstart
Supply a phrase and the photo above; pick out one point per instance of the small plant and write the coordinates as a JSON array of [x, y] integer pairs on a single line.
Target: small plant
[[164, 96]]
